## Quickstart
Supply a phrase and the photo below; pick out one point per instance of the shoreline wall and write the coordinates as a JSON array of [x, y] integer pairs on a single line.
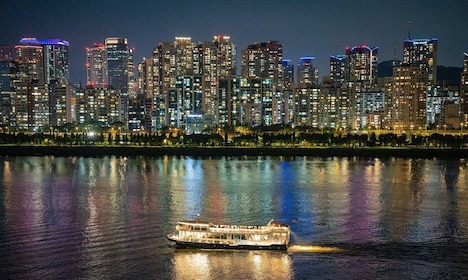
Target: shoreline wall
[[96, 151]]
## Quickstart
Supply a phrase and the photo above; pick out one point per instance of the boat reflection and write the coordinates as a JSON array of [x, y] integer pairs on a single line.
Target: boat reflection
[[313, 249], [209, 264]]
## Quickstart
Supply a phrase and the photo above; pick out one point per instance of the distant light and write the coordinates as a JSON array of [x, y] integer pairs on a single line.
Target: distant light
[[34, 41], [29, 41], [307, 58], [56, 42]]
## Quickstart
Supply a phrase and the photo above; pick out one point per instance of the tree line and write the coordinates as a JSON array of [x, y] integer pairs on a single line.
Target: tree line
[[253, 138]]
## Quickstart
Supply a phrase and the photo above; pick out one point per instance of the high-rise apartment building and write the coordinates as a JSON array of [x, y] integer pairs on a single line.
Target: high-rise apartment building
[[412, 100], [255, 102], [44, 60], [288, 91], [111, 65], [8, 78], [145, 78], [360, 76], [330, 101], [437, 98], [408, 98], [264, 60], [228, 102], [171, 60], [307, 74], [185, 99], [60, 103], [217, 61], [422, 53], [337, 68], [464, 92], [119, 57], [361, 66], [96, 66], [31, 59], [102, 105], [42, 95], [56, 65], [226, 54]]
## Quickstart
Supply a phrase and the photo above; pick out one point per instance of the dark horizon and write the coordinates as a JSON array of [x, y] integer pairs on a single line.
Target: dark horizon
[[318, 29]]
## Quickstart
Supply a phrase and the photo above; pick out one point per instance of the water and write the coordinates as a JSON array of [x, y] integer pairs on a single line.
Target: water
[[352, 218]]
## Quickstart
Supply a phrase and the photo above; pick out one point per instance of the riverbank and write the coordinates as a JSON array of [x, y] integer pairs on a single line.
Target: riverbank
[[96, 151]]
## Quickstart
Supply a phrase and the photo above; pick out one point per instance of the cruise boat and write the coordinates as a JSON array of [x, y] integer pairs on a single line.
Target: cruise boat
[[205, 235]]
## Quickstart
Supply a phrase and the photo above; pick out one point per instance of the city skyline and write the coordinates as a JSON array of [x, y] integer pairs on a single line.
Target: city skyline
[[317, 29]]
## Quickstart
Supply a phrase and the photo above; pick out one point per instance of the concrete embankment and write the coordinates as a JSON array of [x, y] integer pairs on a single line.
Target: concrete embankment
[[93, 151]]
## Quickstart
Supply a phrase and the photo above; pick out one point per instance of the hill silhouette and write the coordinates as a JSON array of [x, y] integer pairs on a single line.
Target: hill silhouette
[[446, 75]]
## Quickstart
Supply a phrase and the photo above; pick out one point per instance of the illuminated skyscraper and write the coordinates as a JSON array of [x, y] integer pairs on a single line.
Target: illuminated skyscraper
[[173, 61], [228, 102], [307, 74], [464, 92], [60, 103], [8, 78], [337, 68], [361, 66], [408, 98], [264, 60], [185, 99], [44, 60], [225, 56], [119, 57], [360, 76], [96, 66], [256, 97], [422, 53], [288, 91], [98, 104], [217, 61], [56, 66], [111, 65], [31, 60], [42, 93]]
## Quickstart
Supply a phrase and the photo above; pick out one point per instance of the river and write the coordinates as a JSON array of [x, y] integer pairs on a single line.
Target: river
[[351, 218]]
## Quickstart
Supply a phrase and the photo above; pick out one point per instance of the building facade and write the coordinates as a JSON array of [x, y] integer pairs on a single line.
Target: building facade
[[422, 53], [96, 66], [464, 91]]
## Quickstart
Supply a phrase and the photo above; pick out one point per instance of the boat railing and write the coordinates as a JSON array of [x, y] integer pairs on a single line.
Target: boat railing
[[238, 230]]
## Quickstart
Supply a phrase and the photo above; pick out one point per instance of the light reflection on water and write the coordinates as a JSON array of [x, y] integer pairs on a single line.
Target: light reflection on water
[[92, 217], [219, 265]]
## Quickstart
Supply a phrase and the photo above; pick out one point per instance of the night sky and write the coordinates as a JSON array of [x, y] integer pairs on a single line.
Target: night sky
[[305, 27]]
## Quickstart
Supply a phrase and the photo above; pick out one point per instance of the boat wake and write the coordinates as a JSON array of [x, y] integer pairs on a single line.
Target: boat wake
[[313, 249]]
